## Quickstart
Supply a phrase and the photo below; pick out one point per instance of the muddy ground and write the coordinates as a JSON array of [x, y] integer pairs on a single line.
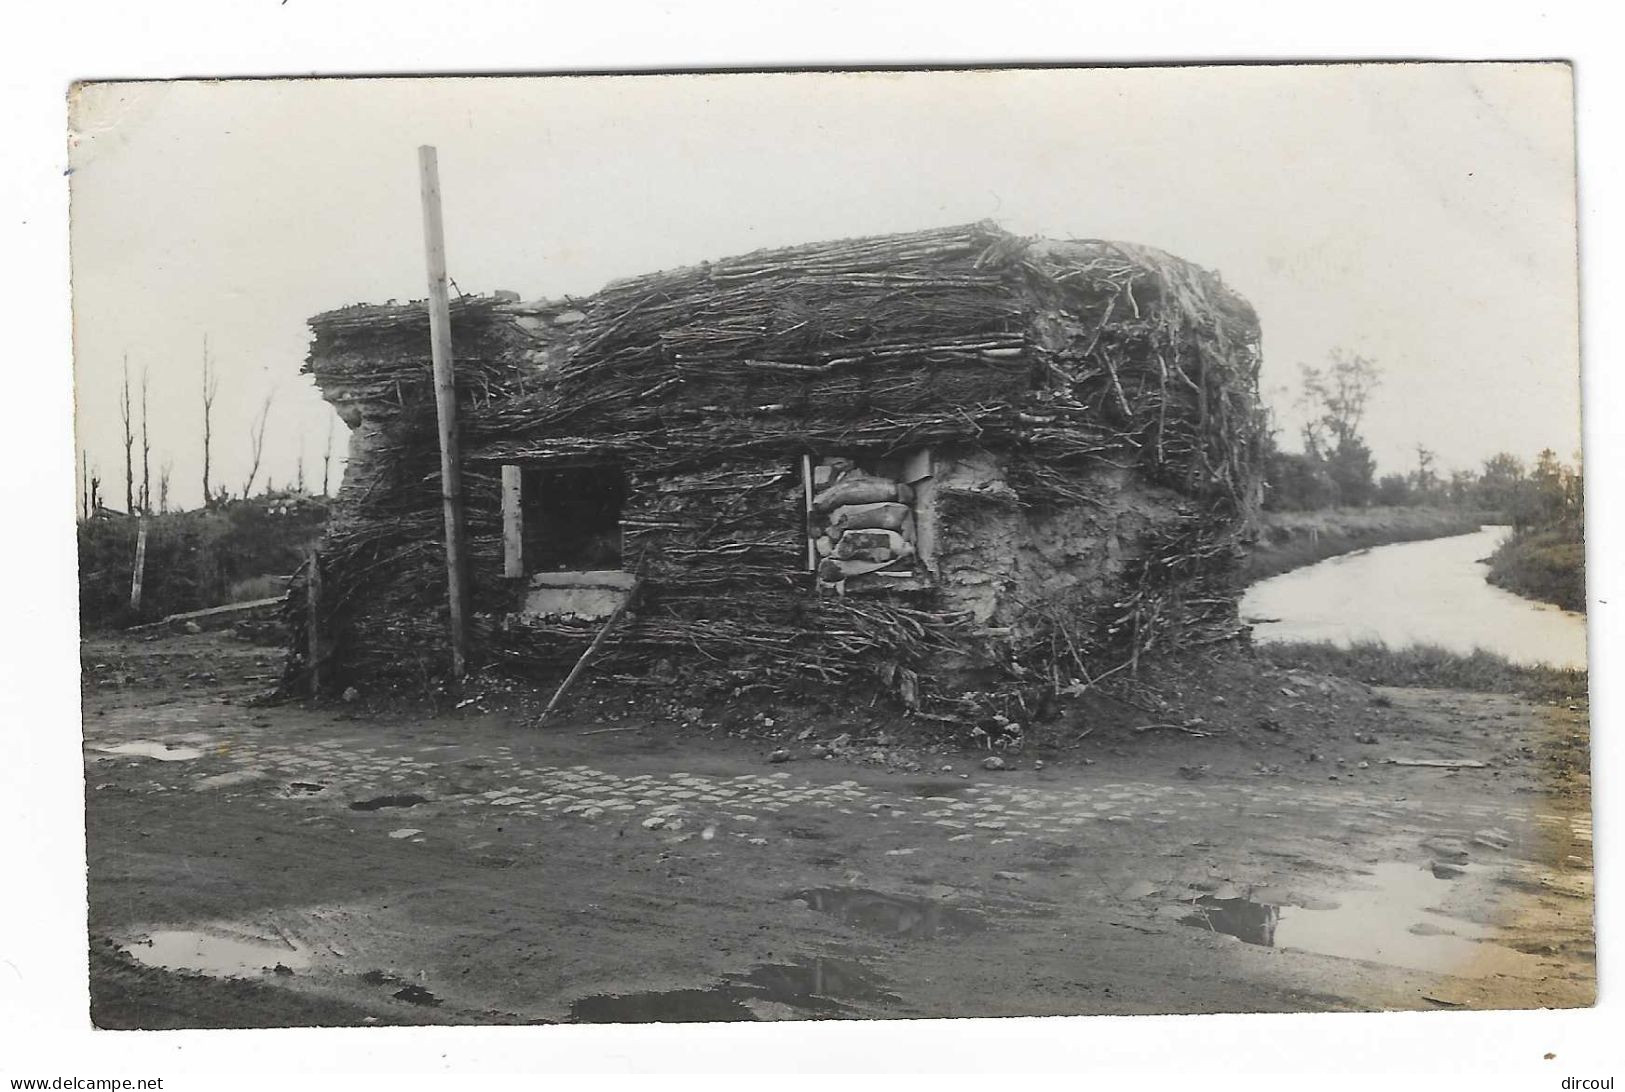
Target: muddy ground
[[263, 865]]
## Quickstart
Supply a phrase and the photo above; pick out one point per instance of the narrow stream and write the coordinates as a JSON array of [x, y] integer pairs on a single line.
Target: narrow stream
[[1431, 592]]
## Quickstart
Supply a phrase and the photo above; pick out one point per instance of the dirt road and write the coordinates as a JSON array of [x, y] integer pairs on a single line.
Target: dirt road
[[322, 866]]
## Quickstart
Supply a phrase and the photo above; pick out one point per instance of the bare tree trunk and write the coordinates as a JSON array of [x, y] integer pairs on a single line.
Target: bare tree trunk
[[256, 442], [211, 385], [146, 468], [163, 485], [299, 467], [327, 456], [84, 482], [129, 443]]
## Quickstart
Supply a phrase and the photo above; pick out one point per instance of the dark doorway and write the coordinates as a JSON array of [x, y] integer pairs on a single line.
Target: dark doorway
[[572, 518]]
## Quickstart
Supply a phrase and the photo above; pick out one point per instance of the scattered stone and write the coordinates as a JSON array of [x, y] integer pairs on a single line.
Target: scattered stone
[[993, 762], [654, 822], [1364, 737], [404, 832], [194, 628], [350, 694], [780, 755], [1192, 773], [1446, 870], [1011, 877]]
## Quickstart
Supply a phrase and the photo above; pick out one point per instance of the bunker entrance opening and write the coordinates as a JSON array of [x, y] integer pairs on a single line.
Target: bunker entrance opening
[[572, 518]]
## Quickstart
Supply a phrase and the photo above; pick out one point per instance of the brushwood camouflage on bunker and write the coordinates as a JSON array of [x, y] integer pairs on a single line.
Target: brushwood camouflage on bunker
[[931, 462]]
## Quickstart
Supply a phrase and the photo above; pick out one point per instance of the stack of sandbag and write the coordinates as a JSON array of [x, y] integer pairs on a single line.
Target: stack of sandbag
[[862, 522]]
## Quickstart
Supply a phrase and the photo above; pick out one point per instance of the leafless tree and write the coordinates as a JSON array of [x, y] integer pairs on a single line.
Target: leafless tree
[[211, 386], [163, 484], [95, 492], [84, 481], [256, 443], [299, 467], [146, 467], [129, 443], [327, 456]]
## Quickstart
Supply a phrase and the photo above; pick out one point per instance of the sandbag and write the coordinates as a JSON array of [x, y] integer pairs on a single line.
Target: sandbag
[[888, 515], [831, 571], [856, 488], [872, 544]]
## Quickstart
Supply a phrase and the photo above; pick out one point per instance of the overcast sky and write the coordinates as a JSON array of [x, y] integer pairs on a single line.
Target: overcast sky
[[1421, 215]]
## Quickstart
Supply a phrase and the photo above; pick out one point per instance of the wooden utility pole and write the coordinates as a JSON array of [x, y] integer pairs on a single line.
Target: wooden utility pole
[[445, 404]]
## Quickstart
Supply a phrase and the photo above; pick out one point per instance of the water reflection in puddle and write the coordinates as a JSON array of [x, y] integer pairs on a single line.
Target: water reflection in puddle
[[1387, 920], [144, 748], [815, 986], [215, 953], [396, 800], [894, 915]]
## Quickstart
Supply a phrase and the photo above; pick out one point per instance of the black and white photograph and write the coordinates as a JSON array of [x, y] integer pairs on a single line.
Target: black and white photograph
[[757, 544], [831, 546]]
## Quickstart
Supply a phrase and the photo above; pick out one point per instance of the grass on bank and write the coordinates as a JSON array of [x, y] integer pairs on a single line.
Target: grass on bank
[[1545, 563], [1429, 665], [1291, 540]]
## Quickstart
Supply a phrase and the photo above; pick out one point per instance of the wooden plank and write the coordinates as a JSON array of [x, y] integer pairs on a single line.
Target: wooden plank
[[209, 613], [807, 502], [140, 565], [916, 466], [592, 650], [513, 526], [445, 404]]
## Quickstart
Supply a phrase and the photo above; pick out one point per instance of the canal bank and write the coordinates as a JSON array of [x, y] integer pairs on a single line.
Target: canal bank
[[1291, 540]]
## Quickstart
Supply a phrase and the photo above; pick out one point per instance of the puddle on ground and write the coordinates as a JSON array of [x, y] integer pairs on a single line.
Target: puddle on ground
[[895, 915], [669, 1007], [145, 748], [416, 995], [816, 985], [216, 954], [396, 800], [1387, 920]]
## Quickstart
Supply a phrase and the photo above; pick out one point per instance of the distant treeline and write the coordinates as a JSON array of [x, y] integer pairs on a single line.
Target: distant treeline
[[232, 551], [1549, 492]]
